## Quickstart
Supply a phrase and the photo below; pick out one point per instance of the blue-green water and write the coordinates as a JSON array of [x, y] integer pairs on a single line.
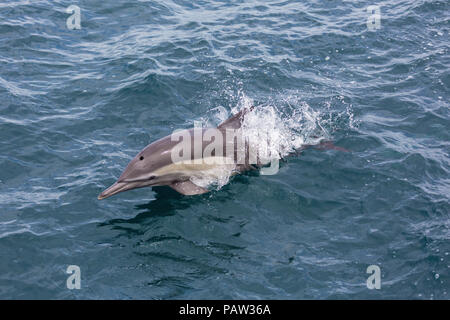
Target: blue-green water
[[77, 105]]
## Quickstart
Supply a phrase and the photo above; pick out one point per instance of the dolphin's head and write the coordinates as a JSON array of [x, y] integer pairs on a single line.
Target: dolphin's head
[[144, 169]]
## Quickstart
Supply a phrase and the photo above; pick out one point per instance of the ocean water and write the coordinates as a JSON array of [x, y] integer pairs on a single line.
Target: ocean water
[[76, 104]]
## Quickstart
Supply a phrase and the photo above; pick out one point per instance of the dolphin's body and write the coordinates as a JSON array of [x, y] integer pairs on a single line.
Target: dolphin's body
[[154, 165]]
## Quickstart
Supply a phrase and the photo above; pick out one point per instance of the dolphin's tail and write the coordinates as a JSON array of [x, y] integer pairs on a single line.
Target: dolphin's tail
[[329, 145], [323, 145]]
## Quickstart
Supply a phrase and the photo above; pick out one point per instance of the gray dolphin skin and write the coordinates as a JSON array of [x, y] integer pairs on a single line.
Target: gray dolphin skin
[[153, 166]]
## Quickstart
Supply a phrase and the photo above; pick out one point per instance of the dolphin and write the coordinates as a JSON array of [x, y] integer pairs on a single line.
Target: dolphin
[[155, 166]]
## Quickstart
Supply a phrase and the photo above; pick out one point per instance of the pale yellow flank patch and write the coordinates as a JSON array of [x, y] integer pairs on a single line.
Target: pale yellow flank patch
[[197, 166]]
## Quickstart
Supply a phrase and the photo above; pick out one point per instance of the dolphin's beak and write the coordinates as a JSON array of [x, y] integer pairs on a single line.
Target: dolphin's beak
[[114, 189]]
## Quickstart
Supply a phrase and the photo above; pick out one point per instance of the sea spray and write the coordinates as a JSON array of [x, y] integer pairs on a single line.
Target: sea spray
[[277, 128]]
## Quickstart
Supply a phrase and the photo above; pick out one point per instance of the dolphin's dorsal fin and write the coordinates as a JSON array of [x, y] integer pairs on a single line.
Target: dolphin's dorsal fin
[[235, 121], [188, 188]]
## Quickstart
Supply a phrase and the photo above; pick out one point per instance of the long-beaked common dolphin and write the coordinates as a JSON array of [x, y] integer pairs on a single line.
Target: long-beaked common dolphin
[[154, 165]]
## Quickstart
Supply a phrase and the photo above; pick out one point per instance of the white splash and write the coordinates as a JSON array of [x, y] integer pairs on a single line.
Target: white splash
[[278, 129], [214, 178], [282, 129]]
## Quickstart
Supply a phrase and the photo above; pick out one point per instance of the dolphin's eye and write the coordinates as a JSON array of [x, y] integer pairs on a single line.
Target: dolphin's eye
[[151, 177], [141, 158]]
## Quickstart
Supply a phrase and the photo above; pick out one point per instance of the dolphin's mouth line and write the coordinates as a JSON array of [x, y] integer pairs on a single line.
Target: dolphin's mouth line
[[137, 180]]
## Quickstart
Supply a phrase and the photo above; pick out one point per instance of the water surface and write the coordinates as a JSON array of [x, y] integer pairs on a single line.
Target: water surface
[[77, 105]]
